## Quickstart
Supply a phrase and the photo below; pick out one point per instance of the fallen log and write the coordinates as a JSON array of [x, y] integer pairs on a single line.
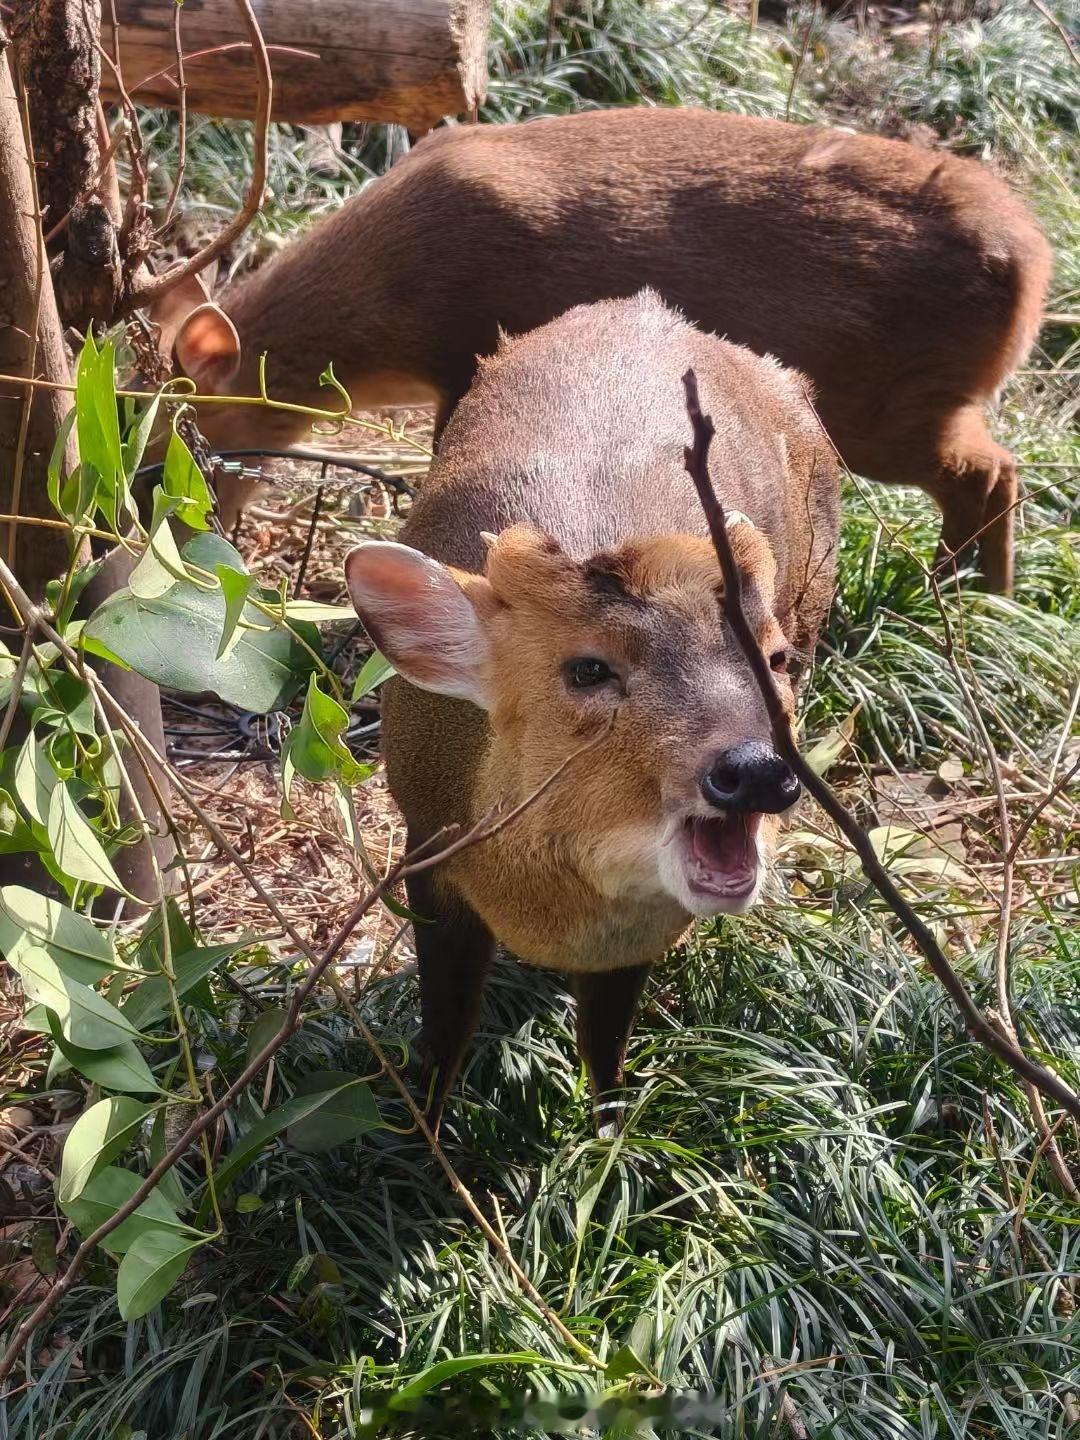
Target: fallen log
[[410, 62]]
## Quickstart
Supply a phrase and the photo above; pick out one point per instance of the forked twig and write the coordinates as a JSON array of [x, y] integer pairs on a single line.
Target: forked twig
[[155, 286], [978, 1025]]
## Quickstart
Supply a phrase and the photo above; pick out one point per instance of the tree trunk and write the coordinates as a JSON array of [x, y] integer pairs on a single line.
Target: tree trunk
[[28, 428], [368, 59]]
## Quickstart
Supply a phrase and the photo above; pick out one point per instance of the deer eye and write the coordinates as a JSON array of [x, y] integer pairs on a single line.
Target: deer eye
[[778, 661], [587, 672]]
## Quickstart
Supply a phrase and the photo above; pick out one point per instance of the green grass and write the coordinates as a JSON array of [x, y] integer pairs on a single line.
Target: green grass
[[824, 1191]]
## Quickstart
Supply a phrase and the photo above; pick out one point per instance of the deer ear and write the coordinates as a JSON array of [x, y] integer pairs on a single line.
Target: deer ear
[[421, 618], [207, 348]]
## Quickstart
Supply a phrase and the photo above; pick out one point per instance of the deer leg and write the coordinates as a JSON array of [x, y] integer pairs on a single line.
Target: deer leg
[[607, 1002], [976, 489], [454, 952]]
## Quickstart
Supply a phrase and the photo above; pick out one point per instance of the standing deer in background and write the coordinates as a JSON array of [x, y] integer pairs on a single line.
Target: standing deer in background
[[556, 586], [908, 285]]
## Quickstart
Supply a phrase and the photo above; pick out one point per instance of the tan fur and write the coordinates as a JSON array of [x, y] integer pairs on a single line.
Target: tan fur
[[570, 448], [906, 283]]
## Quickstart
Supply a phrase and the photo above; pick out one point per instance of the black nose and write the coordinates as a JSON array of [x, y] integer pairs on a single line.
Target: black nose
[[751, 777]]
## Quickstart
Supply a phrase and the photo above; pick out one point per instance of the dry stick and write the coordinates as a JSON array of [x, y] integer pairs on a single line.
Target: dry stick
[[166, 74], [39, 278], [1051, 795], [157, 285], [978, 1026], [181, 85], [1056, 23], [136, 198]]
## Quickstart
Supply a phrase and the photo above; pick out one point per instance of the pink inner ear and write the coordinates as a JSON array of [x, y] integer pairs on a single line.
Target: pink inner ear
[[420, 618], [208, 348]]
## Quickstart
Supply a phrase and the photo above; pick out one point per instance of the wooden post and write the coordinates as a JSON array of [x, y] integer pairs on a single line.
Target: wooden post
[[410, 62]]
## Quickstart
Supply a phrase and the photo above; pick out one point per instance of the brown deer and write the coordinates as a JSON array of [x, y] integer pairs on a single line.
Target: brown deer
[[907, 284], [554, 588]]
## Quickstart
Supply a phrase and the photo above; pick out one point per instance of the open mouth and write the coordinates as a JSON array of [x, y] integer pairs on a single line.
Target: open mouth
[[721, 855]]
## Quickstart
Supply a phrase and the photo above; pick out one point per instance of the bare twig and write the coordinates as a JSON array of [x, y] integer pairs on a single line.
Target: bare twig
[[978, 1025], [181, 86], [1052, 19], [157, 285], [40, 267]]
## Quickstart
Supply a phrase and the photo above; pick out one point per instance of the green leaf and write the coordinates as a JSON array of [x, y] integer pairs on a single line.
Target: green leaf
[[348, 1112], [263, 1029], [248, 1203], [98, 1136], [77, 850], [315, 747], [159, 567], [208, 551], [70, 495], [174, 640], [375, 669], [150, 1000], [121, 1067], [150, 1269], [625, 1363], [98, 424], [16, 836], [138, 436], [104, 1195], [181, 937], [315, 612], [34, 779], [79, 948], [86, 1018], [268, 1128], [448, 1370], [236, 589], [183, 480]]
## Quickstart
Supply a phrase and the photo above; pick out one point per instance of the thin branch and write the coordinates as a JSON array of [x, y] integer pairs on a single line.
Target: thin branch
[[1052, 19], [157, 285], [167, 73], [1050, 796], [39, 277], [181, 86], [978, 1025]]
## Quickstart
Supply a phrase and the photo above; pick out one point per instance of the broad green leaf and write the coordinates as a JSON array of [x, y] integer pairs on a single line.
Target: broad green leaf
[[268, 1128], [625, 1363], [208, 551], [78, 947], [34, 779], [121, 1067], [348, 1112], [824, 755], [316, 749], [98, 1136], [183, 480], [236, 589], [173, 640], [149, 1001], [375, 669], [77, 850], [150, 1269], [248, 1203], [86, 1018], [102, 1196], [159, 567], [43, 1250]]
